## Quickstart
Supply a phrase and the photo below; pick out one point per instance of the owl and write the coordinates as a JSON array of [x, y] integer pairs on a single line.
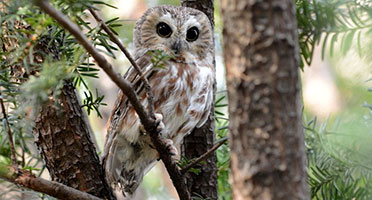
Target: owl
[[182, 91]]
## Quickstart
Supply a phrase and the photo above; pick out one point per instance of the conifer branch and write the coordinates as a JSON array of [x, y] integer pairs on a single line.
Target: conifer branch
[[116, 40], [10, 135]]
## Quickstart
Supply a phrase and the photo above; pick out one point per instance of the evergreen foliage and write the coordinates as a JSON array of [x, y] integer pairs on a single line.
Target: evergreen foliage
[[330, 21], [338, 163]]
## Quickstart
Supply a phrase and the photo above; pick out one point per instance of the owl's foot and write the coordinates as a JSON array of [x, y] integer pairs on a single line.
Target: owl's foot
[[171, 149], [158, 122]]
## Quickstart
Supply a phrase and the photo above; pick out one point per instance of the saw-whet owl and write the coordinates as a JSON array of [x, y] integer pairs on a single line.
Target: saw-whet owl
[[182, 91]]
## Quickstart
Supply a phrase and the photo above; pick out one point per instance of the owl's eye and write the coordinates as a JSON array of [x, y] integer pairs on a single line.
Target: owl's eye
[[192, 34], [163, 30]]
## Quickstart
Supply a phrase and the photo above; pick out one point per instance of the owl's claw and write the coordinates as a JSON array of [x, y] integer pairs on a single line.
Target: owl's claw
[[171, 149], [159, 122]]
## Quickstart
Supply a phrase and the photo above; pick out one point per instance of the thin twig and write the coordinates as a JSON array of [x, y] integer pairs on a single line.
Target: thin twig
[[147, 121], [150, 97], [28, 180], [123, 84], [10, 135], [204, 156]]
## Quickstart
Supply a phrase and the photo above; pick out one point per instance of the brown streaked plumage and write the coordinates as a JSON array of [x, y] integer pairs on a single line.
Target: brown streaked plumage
[[182, 91]]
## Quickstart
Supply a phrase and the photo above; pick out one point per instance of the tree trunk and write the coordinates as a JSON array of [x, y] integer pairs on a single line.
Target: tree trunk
[[202, 139], [266, 134], [63, 136]]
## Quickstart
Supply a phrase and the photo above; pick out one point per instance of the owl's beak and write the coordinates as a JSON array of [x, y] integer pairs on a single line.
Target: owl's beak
[[176, 47]]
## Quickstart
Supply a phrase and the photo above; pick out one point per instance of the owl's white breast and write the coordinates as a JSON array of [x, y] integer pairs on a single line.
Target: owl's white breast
[[188, 88]]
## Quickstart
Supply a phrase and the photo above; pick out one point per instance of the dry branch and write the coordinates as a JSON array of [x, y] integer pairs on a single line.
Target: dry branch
[[147, 121], [55, 189], [123, 84], [204, 156], [130, 58]]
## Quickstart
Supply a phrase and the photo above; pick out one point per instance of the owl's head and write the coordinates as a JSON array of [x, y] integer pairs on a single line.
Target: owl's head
[[183, 32]]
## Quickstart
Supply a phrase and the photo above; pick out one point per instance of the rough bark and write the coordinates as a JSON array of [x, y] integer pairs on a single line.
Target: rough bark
[[63, 138], [63, 135], [266, 134], [202, 139]]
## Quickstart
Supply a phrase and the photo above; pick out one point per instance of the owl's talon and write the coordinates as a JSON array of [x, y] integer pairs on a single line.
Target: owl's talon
[[159, 122], [171, 149]]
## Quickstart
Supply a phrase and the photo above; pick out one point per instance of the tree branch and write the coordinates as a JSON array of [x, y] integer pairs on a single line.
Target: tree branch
[[147, 121], [55, 189], [10, 135], [123, 84], [204, 156], [115, 39]]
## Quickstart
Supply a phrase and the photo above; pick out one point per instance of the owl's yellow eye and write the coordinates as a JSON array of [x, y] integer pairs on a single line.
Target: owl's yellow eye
[[163, 30], [192, 34]]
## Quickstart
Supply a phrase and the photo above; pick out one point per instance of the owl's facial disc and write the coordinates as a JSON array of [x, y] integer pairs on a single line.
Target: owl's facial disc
[[178, 31], [178, 36]]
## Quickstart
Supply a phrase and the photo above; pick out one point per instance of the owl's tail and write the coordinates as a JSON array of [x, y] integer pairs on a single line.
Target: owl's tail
[[125, 165]]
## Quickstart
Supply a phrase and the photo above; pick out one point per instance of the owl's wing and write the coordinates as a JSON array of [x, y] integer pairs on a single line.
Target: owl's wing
[[121, 104], [204, 117]]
